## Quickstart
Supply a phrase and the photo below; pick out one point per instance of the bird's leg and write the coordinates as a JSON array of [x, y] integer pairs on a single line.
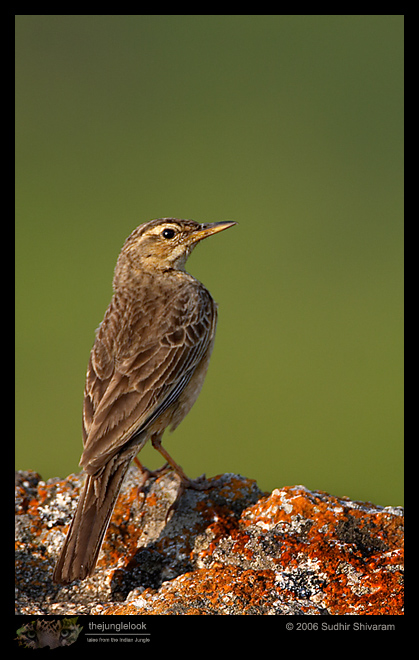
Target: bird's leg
[[199, 484], [156, 442]]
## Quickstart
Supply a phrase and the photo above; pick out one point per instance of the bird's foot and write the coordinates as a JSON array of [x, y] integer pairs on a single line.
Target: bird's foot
[[146, 474]]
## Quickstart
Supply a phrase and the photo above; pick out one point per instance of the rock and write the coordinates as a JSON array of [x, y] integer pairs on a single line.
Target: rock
[[228, 550]]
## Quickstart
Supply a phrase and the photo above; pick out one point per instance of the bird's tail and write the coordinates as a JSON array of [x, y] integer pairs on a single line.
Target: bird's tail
[[90, 522]]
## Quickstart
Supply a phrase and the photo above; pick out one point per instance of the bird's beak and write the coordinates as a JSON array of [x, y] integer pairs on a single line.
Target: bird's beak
[[210, 228]]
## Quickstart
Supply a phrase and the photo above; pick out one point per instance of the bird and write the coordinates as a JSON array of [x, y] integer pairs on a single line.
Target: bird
[[146, 369]]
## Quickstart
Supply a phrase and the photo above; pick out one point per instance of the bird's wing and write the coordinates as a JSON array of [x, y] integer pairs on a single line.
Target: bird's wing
[[127, 389]]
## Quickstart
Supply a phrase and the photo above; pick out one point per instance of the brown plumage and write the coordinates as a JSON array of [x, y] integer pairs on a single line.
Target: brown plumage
[[145, 372]]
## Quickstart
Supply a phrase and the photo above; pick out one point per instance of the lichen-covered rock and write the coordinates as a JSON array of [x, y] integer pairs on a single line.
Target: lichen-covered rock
[[228, 550]]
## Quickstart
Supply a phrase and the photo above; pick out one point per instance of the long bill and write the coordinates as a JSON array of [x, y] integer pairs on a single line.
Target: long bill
[[210, 228]]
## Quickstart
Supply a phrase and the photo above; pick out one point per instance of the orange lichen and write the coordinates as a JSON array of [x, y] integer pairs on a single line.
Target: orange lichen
[[354, 562]]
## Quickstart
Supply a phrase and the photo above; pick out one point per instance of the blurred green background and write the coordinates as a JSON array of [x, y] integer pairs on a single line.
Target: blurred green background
[[290, 125]]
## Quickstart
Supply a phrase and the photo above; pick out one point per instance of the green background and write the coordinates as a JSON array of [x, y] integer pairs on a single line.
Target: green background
[[290, 125]]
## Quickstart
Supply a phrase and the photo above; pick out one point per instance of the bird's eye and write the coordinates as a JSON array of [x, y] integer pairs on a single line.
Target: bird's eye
[[168, 233]]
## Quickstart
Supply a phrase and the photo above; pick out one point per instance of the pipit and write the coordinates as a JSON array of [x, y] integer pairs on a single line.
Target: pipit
[[146, 369]]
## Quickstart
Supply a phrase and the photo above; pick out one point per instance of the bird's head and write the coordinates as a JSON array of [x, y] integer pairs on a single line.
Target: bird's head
[[161, 245]]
